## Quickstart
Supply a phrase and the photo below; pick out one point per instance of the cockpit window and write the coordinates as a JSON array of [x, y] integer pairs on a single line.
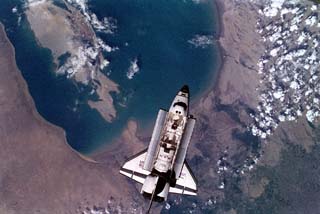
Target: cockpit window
[[181, 104]]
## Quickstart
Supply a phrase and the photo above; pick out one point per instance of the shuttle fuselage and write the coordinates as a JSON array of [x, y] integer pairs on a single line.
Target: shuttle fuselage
[[162, 167]]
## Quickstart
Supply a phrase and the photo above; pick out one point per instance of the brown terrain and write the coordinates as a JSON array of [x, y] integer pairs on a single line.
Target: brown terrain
[[39, 171], [223, 118], [224, 111], [42, 173], [221, 133]]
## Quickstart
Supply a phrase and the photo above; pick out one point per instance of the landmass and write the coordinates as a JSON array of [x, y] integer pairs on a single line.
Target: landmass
[[249, 147], [40, 173], [252, 151], [77, 51]]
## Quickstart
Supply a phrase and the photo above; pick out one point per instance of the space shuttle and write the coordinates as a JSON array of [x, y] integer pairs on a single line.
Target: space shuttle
[[162, 168]]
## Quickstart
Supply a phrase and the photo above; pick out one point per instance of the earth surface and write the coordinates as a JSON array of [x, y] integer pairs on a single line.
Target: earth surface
[[82, 81]]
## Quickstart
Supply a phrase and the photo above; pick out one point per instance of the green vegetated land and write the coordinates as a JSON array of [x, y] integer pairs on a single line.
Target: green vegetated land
[[293, 185]]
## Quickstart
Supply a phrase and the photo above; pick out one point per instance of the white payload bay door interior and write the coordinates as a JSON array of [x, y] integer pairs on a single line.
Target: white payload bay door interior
[[154, 142], [186, 184], [133, 168]]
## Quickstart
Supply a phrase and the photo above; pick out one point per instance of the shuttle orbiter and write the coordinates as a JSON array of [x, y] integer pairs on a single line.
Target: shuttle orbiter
[[161, 168]]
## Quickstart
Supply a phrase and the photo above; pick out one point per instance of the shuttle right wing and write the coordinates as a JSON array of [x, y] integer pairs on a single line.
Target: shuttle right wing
[[186, 184]]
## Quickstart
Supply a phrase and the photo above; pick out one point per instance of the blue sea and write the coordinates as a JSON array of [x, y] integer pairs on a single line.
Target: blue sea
[[157, 33]]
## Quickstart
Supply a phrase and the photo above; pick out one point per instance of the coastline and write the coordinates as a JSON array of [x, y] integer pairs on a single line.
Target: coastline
[[211, 139], [214, 77], [35, 157], [108, 113], [223, 150], [222, 52], [144, 134], [223, 111]]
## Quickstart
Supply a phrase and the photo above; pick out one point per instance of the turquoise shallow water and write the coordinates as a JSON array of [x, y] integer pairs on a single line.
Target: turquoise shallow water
[[155, 32]]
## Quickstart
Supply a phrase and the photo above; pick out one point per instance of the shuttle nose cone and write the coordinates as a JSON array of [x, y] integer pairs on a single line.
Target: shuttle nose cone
[[185, 89]]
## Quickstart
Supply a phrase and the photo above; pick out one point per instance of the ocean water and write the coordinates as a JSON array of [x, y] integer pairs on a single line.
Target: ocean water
[[157, 33]]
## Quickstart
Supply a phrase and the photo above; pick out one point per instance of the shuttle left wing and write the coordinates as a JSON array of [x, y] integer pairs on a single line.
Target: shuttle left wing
[[133, 168]]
